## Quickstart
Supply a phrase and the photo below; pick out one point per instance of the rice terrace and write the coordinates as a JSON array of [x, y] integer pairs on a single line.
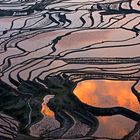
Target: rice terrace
[[70, 69]]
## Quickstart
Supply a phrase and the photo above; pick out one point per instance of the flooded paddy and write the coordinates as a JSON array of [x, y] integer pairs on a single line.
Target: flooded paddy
[[69, 69]]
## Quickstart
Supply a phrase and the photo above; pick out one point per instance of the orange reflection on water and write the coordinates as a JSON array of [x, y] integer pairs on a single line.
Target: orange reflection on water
[[85, 91], [109, 94], [106, 94], [46, 111]]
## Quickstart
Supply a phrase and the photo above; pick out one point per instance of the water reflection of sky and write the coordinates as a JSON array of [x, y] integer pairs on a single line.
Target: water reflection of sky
[[108, 94]]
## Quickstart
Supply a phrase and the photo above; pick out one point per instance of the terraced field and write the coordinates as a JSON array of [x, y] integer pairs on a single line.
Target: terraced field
[[47, 47]]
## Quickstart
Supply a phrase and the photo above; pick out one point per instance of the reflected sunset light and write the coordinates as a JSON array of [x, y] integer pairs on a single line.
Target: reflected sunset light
[[107, 93]]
